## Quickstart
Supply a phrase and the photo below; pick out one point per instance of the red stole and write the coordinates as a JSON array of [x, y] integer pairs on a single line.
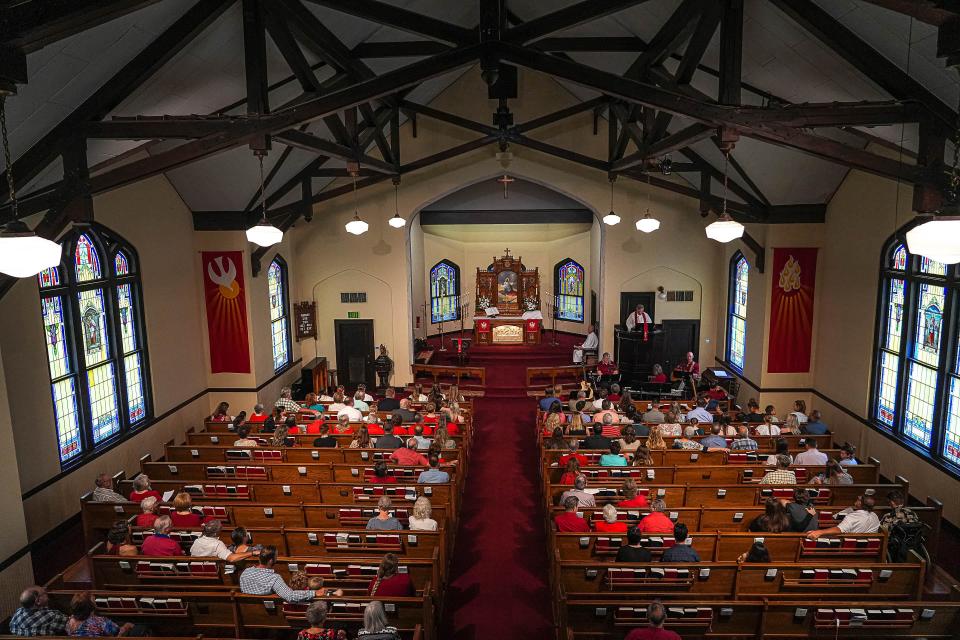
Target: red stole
[[636, 319]]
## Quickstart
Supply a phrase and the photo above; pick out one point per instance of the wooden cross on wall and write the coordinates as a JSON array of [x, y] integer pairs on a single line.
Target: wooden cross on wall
[[506, 253], [505, 180]]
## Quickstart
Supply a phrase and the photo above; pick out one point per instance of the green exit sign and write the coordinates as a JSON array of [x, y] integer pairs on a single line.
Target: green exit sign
[[353, 314]]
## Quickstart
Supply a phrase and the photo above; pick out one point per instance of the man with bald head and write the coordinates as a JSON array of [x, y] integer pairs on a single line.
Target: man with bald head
[[35, 617], [689, 365]]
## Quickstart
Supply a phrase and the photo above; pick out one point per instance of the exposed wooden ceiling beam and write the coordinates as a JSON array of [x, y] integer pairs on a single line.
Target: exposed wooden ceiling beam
[[672, 34], [874, 65], [399, 49], [312, 143], [683, 138], [566, 18], [935, 12], [731, 51], [109, 96], [402, 19]]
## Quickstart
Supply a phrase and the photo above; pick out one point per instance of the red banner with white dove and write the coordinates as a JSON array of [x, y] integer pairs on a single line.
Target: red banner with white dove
[[226, 297], [791, 310]]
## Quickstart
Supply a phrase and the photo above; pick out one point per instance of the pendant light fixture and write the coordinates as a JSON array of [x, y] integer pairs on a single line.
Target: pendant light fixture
[[263, 233], [397, 221], [724, 229], [939, 237], [356, 226], [648, 224], [23, 253], [611, 218]]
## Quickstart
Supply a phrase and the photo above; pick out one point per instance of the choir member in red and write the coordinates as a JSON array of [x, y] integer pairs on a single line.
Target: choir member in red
[[606, 366]]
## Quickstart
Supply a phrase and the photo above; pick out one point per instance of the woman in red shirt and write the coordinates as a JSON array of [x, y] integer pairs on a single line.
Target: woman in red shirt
[[380, 474], [149, 515], [389, 582], [183, 514], [142, 489], [658, 374], [631, 496], [221, 415], [571, 472], [610, 524]]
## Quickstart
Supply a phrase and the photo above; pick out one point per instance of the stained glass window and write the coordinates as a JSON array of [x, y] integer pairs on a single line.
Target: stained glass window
[[568, 288], [737, 311], [93, 325], [916, 395], [444, 292], [279, 320]]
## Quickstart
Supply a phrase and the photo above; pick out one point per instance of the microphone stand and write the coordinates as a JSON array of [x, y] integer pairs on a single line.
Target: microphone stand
[[553, 312]]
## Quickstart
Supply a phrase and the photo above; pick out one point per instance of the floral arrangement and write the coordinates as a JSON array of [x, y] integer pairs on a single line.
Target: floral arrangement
[[483, 302], [531, 304]]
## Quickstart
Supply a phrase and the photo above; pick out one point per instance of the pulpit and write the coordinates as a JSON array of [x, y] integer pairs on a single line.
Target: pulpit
[[508, 303]]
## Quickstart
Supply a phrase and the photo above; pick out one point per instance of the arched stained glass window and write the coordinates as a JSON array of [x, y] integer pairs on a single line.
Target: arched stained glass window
[[917, 367], [279, 317], [93, 325], [444, 292], [568, 289], [737, 310]]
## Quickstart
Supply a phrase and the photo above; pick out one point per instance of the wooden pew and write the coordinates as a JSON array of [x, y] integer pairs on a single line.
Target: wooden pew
[[293, 456], [568, 373], [728, 545], [705, 473], [458, 374], [232, 472]]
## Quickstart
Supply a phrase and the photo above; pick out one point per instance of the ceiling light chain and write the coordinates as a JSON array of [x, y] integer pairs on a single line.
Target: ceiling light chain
[[648, 224], [356, 226], [263, 233], [724, 229], [397, 221], [23, 253], [611, 218]]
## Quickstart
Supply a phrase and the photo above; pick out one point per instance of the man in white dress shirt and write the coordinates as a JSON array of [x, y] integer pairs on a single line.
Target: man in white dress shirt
[[637, 318], [591, 342]]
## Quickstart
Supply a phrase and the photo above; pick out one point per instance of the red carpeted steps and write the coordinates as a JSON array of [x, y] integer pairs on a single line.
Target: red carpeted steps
[[498, 583]]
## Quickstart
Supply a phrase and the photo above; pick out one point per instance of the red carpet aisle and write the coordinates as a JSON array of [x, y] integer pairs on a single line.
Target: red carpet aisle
[[498, 584]]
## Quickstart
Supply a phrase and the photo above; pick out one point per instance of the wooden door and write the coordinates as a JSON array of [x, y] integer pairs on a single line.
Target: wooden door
[[354, 352]]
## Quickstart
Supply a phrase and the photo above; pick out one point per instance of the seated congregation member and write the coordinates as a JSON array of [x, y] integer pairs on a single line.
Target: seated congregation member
[[576, 426], [360, 402], [613, 459], [242, 542], [339, 403], [353, 412], [680, 551], [768, 428], [614, 395], [606, 409], [848, 455], [118, 540], [244, 440], [692, 429], [684, 442], [570, 472], [408, 455], [384, 520], [312, 403], [142, 489], [800, 511], [632, 498], [421, 519], [375, 625], [800, 410], [814, 425], [743, 441], [209, 545], [653, 415], [770, 411], [608, 428], [610, 524], [316, 630], [549, 397], [670, 428], [148, 515], [273, 421], [418, 395], [782, 448], [363, 440], [573, 446], [782, 474], [325, 441], [555, 441], [579, 492], [715, 439], [262, 580], [423, 442], [655, 441], [84, 623], [835, 474], [758, 553], [701, 413], [569, 521], [286, 402], [183, 514], [381, 475], [576, 397], [104, 490], [656, 521], [791, 426], [221, 413], [160, 543], [633, 551], [258, 415], [388, 440], [859, 518], [810, 456], [898, 513], [35, 616], [433, 475], [389, 402], [596, 440], [628, 439], [642, 457], [390, 583], [362, 389], [774, 518], [753, 415], [405, 413], [656, 616], [430, 414]]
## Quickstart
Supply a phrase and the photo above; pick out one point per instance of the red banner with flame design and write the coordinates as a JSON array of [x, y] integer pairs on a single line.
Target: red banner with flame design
[[226, 311], [791, 310]]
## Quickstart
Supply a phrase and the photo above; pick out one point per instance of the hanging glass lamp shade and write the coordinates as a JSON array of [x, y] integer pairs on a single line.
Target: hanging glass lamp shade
[[23, 253]]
